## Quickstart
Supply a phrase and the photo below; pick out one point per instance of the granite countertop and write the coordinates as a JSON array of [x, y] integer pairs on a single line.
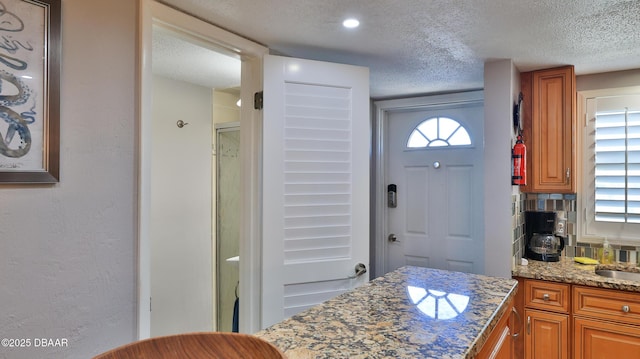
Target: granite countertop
[[568, 271], [411, 312]]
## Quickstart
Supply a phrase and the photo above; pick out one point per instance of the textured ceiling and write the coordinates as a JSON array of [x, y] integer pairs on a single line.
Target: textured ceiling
[[178, 59], [428, 46]]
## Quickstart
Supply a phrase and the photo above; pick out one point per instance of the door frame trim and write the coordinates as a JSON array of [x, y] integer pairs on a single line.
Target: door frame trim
[[382, 110], [151, 13]]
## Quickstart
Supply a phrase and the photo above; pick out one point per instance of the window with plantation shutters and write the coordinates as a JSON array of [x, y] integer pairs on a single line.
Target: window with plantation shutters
[[611, 198], [617, 166]]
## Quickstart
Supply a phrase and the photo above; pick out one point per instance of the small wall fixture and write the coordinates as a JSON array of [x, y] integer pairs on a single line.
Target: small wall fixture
[[181, 123]]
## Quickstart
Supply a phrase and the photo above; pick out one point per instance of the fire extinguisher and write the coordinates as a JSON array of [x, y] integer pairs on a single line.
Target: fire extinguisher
[[519, 156]]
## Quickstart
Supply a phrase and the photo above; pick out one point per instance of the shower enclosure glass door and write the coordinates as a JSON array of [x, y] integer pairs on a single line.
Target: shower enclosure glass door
[[227, 224]]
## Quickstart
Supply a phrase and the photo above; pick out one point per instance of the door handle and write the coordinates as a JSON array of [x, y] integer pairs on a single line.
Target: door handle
[[360, 270], [528, 325], [393, 238], [519, 325]]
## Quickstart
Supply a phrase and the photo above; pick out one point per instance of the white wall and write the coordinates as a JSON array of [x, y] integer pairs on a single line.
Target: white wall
[[500, 78], [68, 251], [608, 80], [224, 107], [181, 208]]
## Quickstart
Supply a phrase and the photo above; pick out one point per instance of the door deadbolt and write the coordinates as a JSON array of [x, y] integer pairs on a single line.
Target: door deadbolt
[[392, 196]]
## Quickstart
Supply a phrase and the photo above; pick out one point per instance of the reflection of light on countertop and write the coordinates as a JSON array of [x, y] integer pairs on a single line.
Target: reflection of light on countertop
[[437, 304]]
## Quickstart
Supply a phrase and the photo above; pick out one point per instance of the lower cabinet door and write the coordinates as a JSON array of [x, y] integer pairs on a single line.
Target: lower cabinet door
[[499, 344], [605, 340], [546, 335]]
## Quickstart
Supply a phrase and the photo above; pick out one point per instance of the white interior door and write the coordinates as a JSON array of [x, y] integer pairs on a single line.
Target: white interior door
[[438, 220], [316, 145]]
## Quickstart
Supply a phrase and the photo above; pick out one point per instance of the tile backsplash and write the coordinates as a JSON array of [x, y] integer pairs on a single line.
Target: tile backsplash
[[565, 206], [517, 220]]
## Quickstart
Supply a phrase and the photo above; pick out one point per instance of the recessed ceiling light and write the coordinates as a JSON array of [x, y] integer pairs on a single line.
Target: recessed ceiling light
[[351, 23]]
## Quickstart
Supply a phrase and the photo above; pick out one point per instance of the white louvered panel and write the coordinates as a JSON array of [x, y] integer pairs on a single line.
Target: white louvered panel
[[311, 122], [299, 166], [322, 199], [316, 209], [318, 156], [317, 177], [298, 297], [336, 134], [315, 221], [617, 167], [319, 232], [306, 243], [317, 173], [318, 145], [317, 188]]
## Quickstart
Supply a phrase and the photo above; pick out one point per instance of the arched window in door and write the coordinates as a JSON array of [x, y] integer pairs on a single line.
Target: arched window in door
[[439, 132]]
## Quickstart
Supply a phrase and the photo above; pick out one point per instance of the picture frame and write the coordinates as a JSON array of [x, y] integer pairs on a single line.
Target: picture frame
[[30, 54]]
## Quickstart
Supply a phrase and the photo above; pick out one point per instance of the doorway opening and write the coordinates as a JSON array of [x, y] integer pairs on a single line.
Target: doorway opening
[[189, 99], [183, 126], [427, 156]]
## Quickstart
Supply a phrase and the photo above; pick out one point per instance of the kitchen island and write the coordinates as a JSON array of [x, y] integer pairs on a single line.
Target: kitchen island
[[412, 312]]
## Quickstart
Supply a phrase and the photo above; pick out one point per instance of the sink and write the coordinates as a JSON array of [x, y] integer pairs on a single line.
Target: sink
[[617, 274]]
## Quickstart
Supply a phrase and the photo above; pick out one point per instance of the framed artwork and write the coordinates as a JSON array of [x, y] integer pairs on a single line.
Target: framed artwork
[[29, 91]]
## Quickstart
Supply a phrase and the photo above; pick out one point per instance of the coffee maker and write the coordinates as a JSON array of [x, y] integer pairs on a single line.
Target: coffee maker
[[542, 244]]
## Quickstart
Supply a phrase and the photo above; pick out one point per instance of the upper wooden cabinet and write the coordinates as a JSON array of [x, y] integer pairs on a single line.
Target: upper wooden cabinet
[[549, 130]]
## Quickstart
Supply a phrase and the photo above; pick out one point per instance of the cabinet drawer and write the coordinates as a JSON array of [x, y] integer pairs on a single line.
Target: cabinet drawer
[[623, 307], [547, 296]]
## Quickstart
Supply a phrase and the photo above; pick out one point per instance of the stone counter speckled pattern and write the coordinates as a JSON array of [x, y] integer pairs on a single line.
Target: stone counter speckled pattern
[[380, 319], [568, 271]]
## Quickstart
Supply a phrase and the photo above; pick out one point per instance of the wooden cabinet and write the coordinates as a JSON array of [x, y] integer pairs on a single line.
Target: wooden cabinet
[[575, 321], [606, 323], [605, 340], [546, 319], [500, 343], [547, 335], [550, 129]]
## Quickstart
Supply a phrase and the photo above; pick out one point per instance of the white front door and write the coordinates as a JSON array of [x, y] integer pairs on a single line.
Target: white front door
[[316, 146], [438, 219]]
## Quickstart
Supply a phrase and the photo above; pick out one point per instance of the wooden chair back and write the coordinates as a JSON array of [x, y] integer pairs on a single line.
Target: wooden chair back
[[210, 345]]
